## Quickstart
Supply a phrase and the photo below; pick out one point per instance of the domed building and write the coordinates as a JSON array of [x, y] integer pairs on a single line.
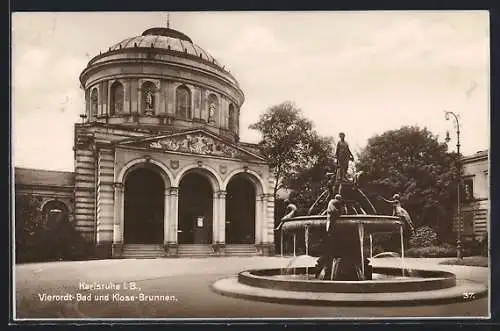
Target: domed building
[[159, 168]]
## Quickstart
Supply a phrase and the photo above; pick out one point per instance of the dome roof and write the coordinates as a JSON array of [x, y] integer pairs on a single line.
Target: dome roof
[[167, 39]]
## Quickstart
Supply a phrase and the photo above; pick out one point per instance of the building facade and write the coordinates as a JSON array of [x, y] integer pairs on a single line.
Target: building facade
[[475, 196], [159, 168]]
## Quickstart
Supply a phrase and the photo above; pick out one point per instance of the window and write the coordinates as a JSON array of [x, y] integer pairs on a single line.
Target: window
[[183, 102], [213, 108], [468, 189], [231, 117], [116, 101], [93, 102]]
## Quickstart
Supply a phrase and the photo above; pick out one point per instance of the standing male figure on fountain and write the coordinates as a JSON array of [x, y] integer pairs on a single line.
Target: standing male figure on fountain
[[343, 155]]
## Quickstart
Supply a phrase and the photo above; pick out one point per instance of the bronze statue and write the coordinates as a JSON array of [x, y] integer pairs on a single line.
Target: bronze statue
[[343, 155], [333, 211], [399, 211]]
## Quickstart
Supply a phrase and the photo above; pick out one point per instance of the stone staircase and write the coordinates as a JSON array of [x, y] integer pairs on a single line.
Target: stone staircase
[[194, 250], [143, 251], [240, 250]]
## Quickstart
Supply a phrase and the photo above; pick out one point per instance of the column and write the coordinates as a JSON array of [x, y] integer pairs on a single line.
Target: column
[[139, 100], [221, 227], [118, 214], [259, 228], [167, 228], [174, 214], [156, 106], [215, 217], [268, 218]]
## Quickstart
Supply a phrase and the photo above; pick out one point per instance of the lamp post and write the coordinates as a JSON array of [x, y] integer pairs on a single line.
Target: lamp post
[[459, 181]]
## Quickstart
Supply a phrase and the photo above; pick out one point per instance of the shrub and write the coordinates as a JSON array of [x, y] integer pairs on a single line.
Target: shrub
[[37, 241], [423, 237], [444, 250], [484, 245]]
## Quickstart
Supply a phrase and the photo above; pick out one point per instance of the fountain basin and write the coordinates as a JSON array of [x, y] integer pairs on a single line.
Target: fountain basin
[[419, 287], [415, 280], [370, 223]]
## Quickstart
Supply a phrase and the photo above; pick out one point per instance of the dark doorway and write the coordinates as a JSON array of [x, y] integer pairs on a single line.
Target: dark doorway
[[195, 210], [240, 211], [144, 207], [53, 212]]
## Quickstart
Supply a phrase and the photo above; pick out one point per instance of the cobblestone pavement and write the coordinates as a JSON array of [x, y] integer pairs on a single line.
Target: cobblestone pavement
[[181, 288]]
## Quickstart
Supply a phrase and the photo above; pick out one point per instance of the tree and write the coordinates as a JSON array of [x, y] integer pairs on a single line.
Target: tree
[[410, 161], [309, 181], [286, 137]]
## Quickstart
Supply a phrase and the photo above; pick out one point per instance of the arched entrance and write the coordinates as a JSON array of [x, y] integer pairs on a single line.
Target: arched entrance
[[195, 209], [53, 212], [240, 211], [144, 207]]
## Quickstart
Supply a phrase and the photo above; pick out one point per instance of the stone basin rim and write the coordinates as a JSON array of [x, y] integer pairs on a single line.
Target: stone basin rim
[[431, 280]]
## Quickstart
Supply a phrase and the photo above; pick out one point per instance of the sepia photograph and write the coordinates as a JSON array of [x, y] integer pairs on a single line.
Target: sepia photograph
[[250, 165]]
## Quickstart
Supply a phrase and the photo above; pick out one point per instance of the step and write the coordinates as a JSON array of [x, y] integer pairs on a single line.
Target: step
[[195, 250], [240, 250], [143, 251]]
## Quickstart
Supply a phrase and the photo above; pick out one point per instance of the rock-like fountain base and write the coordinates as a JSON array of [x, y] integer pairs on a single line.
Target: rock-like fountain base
[[388, 287]]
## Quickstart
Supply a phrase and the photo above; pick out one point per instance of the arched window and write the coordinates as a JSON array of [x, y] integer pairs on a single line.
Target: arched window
[[231, 117], [213, 108], [93, 102], [183, 102], [148, 97], [53, 212], [116, 106]]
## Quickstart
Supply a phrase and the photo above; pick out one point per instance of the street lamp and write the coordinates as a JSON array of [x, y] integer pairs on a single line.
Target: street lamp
[[459, 182]]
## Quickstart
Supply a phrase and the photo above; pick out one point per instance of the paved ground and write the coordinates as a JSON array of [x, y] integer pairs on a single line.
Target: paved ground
[[186, 284]]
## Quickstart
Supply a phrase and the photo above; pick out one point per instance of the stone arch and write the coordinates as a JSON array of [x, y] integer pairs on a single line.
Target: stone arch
[[144, 195], [209, 172], [55, 204], [165, 173], [46, 201], [243, 189], [254, 177]]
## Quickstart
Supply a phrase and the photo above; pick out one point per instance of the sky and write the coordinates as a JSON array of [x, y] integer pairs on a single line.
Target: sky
[[361, 73]]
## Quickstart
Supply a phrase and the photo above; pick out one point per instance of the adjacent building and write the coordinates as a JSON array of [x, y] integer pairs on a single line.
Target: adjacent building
[[475, 196]]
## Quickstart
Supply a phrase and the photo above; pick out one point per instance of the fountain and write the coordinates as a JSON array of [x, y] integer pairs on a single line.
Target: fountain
[[346, 275]]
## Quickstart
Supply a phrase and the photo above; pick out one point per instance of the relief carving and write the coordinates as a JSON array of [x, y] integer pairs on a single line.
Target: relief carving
[[197, 144]]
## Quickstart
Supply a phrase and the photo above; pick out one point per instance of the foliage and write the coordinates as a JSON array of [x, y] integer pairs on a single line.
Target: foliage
[[410, 161], [37, 241], [444, 250], [423, 237], [484, 246], [475, 261], [476, 247], [288, 141], [308, 182]]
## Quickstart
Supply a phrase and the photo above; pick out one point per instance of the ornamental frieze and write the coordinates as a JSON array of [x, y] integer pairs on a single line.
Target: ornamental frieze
[[196, 144]]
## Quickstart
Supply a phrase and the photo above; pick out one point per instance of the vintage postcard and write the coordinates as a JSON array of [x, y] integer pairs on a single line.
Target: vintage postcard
[[267, 165]]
